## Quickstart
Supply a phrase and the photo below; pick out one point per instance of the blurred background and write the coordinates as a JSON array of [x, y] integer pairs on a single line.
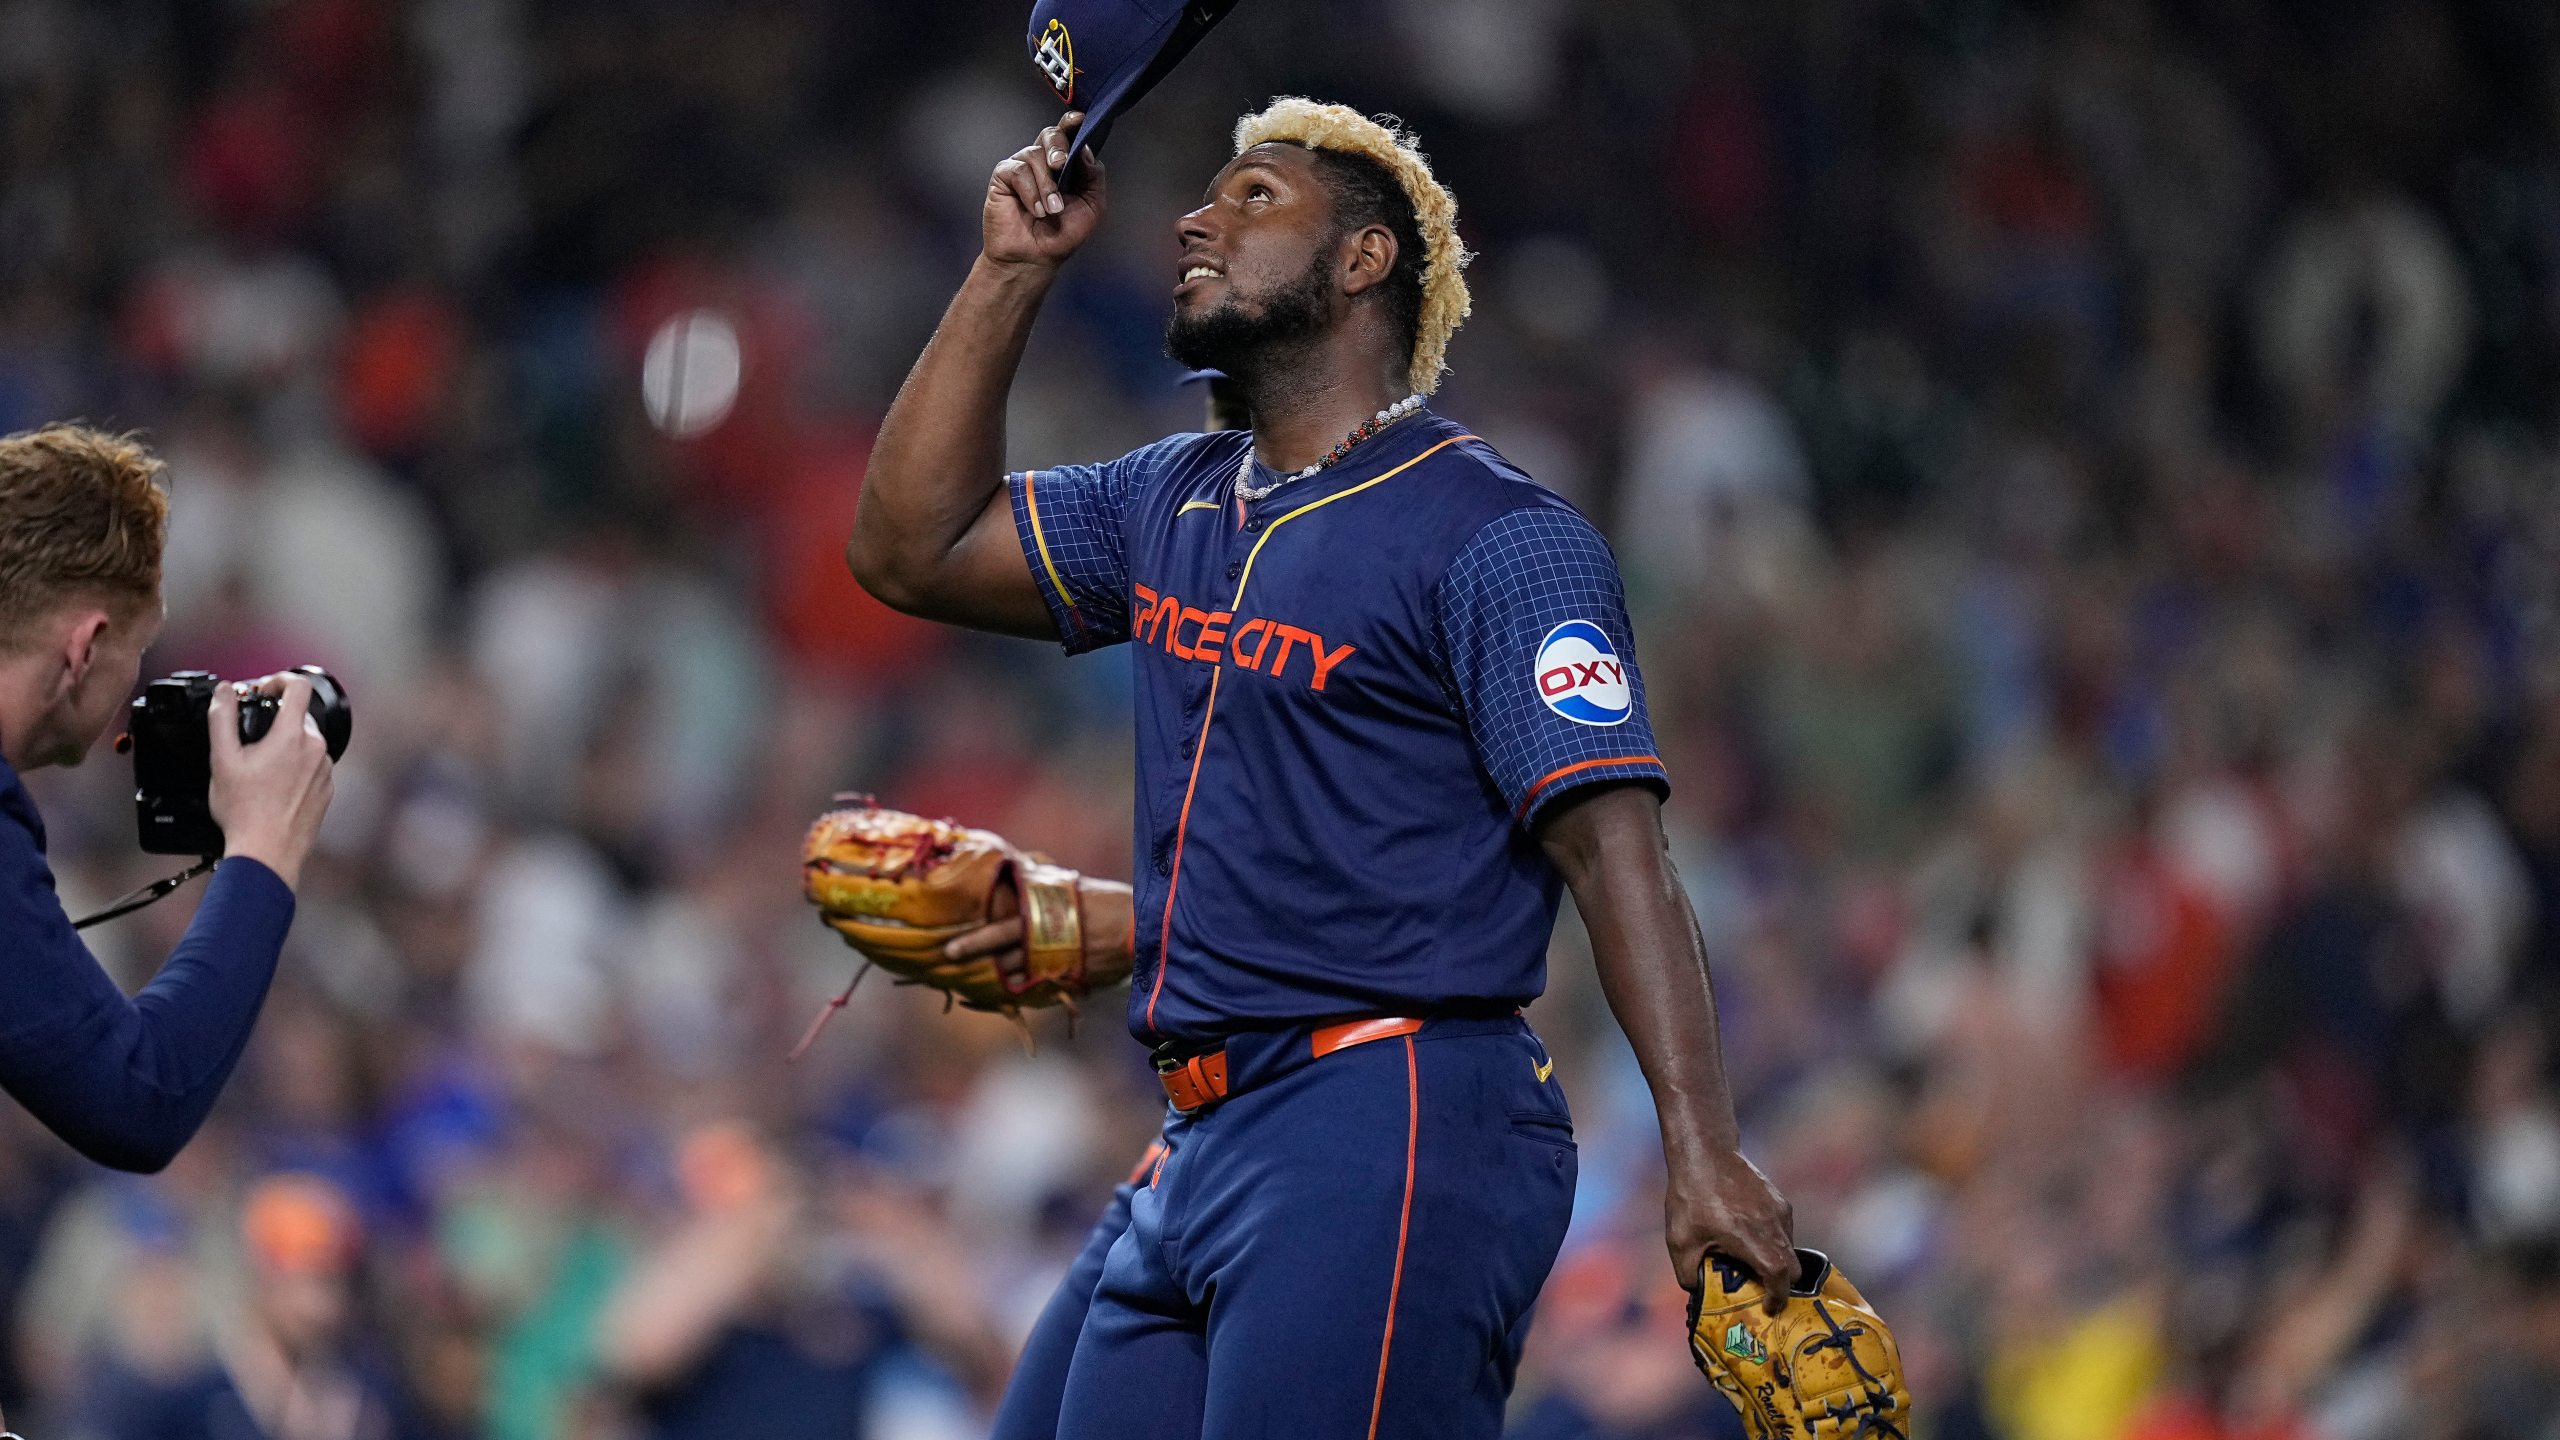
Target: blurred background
[[2086, 474]]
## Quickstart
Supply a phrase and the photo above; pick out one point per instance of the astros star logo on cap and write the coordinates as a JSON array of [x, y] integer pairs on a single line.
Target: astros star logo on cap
[[1056, 57], [1103, 56]]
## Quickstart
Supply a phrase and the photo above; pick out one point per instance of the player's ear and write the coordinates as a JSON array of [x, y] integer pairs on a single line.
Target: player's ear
[[1369, 255]]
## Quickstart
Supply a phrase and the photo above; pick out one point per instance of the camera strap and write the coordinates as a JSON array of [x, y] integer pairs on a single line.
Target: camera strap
[[159, 889]]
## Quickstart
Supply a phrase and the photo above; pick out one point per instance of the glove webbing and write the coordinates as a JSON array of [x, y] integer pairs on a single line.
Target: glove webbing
[[1869, 1409]]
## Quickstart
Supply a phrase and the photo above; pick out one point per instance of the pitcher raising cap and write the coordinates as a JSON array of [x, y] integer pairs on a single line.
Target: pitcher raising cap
[[1387, 710]]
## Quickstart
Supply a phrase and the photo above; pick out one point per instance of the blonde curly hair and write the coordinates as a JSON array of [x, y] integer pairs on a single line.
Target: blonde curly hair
[[1296, 120]]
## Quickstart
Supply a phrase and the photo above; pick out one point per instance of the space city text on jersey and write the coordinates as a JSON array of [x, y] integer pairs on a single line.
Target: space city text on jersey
[[1190, 633]]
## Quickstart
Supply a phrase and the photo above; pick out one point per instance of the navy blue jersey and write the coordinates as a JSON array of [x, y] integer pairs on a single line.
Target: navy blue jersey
[[1354, 697]]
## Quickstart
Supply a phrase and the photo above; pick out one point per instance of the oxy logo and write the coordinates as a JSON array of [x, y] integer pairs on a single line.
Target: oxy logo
[[1056, 58], [1579, 675]]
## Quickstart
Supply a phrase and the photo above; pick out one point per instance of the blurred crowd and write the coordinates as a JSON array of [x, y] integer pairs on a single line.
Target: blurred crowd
[[2086, 472]]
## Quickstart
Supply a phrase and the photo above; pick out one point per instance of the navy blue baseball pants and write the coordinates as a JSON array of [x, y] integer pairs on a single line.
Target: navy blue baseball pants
[[1346, 1246], [1030, 1407]]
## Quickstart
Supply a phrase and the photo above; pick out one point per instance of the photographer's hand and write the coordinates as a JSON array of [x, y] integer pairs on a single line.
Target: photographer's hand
[[269, 797]]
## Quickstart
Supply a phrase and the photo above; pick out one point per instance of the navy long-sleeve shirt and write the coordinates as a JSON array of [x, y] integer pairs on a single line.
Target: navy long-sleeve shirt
[[126, 1080]]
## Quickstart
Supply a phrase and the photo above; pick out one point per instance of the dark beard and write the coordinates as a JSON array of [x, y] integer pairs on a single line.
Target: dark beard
[[1245, 343]]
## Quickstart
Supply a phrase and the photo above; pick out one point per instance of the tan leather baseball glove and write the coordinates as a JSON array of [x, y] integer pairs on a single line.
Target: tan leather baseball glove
[[1823, 1368], [901, 888]]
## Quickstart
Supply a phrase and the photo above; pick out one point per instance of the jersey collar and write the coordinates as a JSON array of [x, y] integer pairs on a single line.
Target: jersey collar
[[1380, 452]]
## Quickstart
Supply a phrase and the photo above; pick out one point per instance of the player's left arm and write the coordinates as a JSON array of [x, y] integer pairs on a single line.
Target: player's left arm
[[1540, 657], [1608, 843]]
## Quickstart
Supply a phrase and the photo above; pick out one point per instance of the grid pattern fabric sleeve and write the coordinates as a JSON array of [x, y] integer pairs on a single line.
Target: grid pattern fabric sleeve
[[1539, 658], [1073, 524]]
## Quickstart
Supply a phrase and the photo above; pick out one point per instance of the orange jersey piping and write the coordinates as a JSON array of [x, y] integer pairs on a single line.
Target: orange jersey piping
[[1554, 776], [1404, 1227], [1181, 832]]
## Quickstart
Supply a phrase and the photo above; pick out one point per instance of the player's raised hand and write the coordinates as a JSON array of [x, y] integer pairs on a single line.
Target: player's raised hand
[[1031, 217]]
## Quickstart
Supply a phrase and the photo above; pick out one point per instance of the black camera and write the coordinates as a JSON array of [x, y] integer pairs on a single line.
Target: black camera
[[173, 752]]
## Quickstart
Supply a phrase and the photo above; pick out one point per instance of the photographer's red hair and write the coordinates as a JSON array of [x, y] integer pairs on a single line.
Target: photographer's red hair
[[82, 519]]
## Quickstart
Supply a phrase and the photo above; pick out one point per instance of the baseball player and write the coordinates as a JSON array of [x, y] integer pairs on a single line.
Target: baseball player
[[1387, 710]]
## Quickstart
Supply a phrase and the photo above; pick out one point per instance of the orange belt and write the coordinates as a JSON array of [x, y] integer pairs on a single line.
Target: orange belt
[[1200, 1081]]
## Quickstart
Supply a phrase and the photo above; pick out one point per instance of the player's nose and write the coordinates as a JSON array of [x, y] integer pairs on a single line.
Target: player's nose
[[1194, 228]]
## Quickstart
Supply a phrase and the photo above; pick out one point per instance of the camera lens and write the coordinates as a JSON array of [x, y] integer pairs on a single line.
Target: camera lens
[[329, 706], [329, 710]]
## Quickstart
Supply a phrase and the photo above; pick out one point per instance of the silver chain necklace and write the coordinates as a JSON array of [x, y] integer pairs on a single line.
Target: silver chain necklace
[[1248, 492]]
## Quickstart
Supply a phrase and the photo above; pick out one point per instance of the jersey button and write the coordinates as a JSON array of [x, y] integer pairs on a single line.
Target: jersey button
[[1254, 524], [1190, 746], [1234, 570]]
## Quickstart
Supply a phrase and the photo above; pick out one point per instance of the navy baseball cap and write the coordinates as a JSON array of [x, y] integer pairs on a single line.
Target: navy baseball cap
[[1102, 56]]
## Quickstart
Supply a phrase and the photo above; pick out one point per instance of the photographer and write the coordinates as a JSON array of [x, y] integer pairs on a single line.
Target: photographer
[[125, 1081]]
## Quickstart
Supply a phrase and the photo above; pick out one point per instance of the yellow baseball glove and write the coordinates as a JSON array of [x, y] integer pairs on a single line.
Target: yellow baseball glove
[[899, 888], [1823, 1368]]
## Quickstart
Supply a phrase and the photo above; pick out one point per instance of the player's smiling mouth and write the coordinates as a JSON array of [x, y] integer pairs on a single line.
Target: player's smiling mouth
[[1195, 271]]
